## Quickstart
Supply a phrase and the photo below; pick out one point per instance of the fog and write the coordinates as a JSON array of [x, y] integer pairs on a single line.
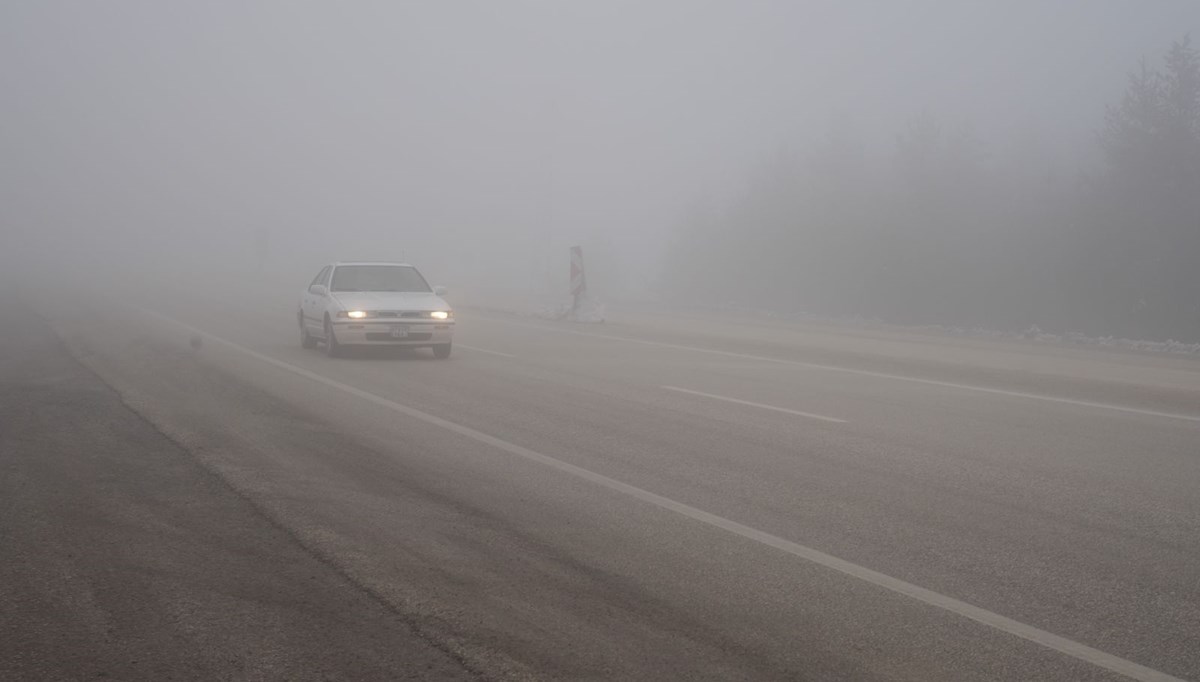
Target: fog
[[772, 155], [752, 339]]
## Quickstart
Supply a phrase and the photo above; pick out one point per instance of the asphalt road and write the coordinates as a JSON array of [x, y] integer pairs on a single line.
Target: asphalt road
[[658, 497]]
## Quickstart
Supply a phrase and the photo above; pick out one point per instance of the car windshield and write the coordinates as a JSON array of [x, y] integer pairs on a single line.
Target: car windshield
[[378, 278]]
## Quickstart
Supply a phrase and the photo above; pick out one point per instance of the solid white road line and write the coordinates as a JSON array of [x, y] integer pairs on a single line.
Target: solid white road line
[[785, 410], [961, 608], [483, 350], [860, 372]]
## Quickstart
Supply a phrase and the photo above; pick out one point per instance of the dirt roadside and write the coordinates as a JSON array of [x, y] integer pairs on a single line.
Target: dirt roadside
[[121, 557]]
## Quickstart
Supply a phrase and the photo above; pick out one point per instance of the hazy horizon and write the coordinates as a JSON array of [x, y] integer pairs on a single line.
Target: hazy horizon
[[482, 139]]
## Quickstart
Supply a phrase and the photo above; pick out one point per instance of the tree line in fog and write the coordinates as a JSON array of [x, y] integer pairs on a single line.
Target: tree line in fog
[[944, 231]]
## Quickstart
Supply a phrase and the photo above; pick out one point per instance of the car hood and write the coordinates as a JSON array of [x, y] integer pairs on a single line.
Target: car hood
[[389, 300]]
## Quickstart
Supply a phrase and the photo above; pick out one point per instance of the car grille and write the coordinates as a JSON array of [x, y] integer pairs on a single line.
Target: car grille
[[400, 313]]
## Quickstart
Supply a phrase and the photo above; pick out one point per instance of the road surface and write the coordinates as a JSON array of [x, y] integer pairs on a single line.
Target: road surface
[[657, 497]]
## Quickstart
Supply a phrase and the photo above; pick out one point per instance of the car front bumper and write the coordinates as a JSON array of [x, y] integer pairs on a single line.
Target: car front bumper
[[381, 333]]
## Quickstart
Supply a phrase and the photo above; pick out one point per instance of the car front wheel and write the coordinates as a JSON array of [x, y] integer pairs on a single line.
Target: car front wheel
[[332, 348], [306, 339], [441, 351]]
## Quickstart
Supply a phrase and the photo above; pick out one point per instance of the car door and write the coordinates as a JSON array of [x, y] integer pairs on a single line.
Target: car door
[[313, 307]]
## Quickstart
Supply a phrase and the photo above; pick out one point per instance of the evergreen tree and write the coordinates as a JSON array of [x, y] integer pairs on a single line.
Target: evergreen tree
[[1148, 209]]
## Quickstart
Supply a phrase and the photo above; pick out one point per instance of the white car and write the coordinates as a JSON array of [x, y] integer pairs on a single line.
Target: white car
[[374, 304]]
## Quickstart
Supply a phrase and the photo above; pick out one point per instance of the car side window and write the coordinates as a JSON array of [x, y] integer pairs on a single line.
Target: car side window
[[325, 276]]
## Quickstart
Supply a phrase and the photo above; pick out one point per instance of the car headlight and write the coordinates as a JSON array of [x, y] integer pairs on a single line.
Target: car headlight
[[353, 314], [441, 314]]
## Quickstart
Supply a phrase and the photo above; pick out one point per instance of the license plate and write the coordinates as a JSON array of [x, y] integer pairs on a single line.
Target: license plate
[[399, 331]]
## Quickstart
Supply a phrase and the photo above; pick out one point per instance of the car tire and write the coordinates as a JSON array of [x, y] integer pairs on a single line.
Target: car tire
[[306, 339], [441, 351], [332, 348]]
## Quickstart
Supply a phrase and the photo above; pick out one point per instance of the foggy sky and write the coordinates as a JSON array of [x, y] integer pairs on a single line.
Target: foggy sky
[[458, 133]]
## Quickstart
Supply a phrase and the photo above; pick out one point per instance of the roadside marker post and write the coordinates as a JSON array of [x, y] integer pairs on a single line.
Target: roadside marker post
[[578, 281]]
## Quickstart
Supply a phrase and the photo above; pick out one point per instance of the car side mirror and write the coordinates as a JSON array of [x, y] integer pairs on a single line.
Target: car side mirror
[[439, 290], [318, 289]]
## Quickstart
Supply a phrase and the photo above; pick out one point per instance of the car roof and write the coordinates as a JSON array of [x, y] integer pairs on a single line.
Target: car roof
[[370, 262]]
